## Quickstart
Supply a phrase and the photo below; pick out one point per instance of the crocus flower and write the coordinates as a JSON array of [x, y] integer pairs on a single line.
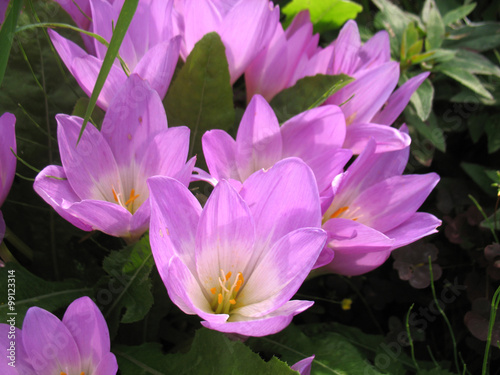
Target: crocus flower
[[79, 344], [7, 160], [237, 262], [316, 136], [374, 210], [102, 182], [149, 48], [245, 27]]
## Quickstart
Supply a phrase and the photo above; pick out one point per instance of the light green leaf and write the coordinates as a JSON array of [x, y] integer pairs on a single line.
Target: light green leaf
[[467, 79], [7, 34], [30, 290], [201, 96], [422, 98], [434, 27], [211, 353], [473, 63], [476, 36], [122, 24], [128, 287], [481, 176], [435, 56], [458, 13], [307, 93], [325, 15]]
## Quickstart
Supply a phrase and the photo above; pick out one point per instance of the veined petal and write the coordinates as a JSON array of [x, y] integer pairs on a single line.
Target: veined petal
[[220, 154], [85, 68], [399, 99], [158, 64], [225, 236], [79, 11], [245, 31], [280, 272], [376, 51], [266, 325], [161, 21], [89, 330], [52, 185], [282, 199], [349, 236], [258, 142], [345, 53], [398, 198], [134, 117], [49, 344], [185, 174], [386, 138], [353, 264], [107, 366], [22, 365], [304, 366], [89, 166], [110, 218], [175, 213], [7, 158], [419, 225], [364, 103]]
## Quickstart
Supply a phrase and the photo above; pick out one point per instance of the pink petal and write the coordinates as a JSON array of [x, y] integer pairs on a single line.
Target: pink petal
[[304, 366], [376, 51], [346, 47], [220, 154], [353, 264], [107, 366], [7, 158], [386, 138], [419, 225]]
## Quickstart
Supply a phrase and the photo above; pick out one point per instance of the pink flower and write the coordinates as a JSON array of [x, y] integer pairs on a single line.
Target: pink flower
[[245, 27], [102, 182], [7, 160], [237, 262], [149, 48], [79, 344]]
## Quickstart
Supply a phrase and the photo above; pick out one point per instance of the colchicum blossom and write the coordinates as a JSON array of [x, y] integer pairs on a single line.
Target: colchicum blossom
[[374, 210], [102, 182], [7, 160], [237, 262], [77, 345], [245, 27], [149, 49], [316, 136]]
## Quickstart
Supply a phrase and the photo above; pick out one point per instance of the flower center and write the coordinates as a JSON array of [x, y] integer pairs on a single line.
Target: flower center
[[224, 295], [129, 203], [342, 212]]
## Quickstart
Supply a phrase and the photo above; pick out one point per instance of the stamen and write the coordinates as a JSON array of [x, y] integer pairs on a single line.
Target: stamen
[[219, 298], [213, 290], [225, 297], [232, 301], [82, 373], [115, 195], [132, 197], [63, 373], [339, 212], [228, 275]]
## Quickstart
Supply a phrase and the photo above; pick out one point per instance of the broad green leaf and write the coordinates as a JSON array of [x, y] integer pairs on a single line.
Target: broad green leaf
[[128, 286], [434, 27], [435, 56], [410, 41], [126, 14], [492, 130], [476, 125], [473, 63], [201, 96], [325, 15], [422, 98], [30, 290], [307, 93], [481, 176], [476, 36], [428, 129], [458, 13], [211, 353], [7, 34], [467, 79]]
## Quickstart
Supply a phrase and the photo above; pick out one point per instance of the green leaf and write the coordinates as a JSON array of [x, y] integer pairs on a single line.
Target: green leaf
[[458, 13], [422, 98], [30, 290], [467, 79], [493, 132], [128, 286], [325, 15], [410, 42], [481, 176], [434, 27], [428, 129], [307, 93], [201, 96], [435, 56], [211, 353], [476, 36], [122, 24], [473, 63], [80, 108], [7, 34], [491, 223]]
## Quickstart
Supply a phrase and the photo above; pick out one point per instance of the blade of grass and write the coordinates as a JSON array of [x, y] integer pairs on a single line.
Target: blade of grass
[[122, 24], [412, 348], [493, 314], [7, 34]]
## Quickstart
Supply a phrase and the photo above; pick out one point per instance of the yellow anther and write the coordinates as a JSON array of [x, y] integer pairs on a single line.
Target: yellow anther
[[346, 304], [219, 298], [63, 373], [232, 301], [238, 286], [82, 373], [213, 290], [339, 212], [228, 275], [132, 197], [114, 194]]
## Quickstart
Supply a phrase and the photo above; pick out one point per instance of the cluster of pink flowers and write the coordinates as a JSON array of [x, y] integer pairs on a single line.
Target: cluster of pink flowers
[[283, 202]]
